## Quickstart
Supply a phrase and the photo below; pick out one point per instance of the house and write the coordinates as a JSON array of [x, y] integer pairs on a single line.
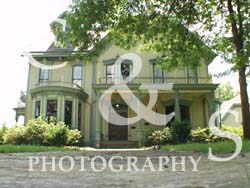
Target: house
[[72, 93], [229, 119]]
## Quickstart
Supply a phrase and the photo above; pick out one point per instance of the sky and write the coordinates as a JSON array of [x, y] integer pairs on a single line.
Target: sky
[[25, 27]]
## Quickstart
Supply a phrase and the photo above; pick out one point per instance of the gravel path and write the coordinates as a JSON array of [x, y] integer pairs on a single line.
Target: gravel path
[[14, 170]]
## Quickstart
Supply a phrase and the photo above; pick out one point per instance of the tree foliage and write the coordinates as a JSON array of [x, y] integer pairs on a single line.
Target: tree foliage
[[225, 92], [173, 28]]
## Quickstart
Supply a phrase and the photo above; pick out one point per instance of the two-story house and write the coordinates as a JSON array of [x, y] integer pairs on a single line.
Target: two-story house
[[72, 93]]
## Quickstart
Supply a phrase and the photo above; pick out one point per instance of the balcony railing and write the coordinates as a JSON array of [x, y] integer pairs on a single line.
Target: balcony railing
[[158, 80], [58, 84]]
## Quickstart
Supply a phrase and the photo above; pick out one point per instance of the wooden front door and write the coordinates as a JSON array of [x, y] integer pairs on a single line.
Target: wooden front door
[[119, 132]]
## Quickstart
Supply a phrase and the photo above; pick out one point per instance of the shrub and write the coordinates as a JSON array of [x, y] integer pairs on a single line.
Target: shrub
[[39, 132], [3, 130], [181, 131], [35, 130], [15, 135], [237, 130], [73, 137], [56, 135], [204, 135], [160, 137]]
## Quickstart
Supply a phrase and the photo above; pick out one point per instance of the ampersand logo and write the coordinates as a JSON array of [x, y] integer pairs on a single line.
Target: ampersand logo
[[40, 65], [121, 86]]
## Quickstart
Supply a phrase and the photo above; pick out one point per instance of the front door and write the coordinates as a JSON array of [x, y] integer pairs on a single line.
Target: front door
[[119, 132]]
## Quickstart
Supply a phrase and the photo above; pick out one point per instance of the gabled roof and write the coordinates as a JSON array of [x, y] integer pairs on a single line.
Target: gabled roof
[[53, 48]]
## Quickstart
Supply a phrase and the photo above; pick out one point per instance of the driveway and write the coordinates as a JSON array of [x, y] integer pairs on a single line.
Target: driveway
[[115, 168]]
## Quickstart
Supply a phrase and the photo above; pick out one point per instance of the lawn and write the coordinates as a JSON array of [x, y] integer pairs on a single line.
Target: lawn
[[219, 147], [6, 148]]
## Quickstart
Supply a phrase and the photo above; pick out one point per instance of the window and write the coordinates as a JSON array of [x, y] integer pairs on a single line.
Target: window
[[125, 70], [37, 109], [168, 110], [79, 116], [158, 74], [185, 113], [68, 113], [51, 109], [192, 76], [110, 73], [43, 75], [77, 75]]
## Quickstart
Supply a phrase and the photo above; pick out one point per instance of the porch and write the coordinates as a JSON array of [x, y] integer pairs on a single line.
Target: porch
[[194, 103]]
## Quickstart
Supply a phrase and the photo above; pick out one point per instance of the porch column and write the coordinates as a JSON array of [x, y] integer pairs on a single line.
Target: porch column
[[139, 122], [58, 114], [177, 107], [44, 107], [204, 111], [97, 124], [74, 113], [63, 108]]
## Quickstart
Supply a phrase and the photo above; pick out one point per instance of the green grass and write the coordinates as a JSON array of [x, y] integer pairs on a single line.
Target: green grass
[[6, 148], [219, 147]]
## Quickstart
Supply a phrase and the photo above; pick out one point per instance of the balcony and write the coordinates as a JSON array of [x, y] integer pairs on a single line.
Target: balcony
[[159, 80], [59, 86]]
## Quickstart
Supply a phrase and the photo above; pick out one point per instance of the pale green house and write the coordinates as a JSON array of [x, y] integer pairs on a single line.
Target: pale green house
[[72, 93]]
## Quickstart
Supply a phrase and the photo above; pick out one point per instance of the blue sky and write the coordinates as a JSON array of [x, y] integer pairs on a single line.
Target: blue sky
[[25, 27]]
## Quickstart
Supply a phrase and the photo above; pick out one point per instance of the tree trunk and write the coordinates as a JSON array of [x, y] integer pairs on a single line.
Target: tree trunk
[[237, 31], [244, 104]]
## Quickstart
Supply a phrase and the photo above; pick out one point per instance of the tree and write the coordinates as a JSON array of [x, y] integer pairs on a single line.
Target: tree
[[225, 92], [172, 28]]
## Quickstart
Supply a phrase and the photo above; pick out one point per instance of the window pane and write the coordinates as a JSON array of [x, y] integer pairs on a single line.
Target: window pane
[[192, 75], [52, 108], [125, 70], [110, 73], [77, 83], [158, 71], [37, 109], [44, 74], [185, 113], [77, 72], [110, 70], [158, 74], [68, 113]]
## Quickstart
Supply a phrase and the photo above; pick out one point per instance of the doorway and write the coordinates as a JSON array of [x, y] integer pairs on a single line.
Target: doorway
[[119, 132]]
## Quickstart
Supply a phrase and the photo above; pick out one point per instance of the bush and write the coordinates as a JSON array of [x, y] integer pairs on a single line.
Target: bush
[[204, 135], [181, 131], [35, 130], [74, 137], [56, 135], [237, 130], [3, 130], [161, 137], [15, 135], [39, 132]]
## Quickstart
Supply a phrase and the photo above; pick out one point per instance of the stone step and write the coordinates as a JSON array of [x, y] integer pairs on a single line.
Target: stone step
[[119, 144]]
